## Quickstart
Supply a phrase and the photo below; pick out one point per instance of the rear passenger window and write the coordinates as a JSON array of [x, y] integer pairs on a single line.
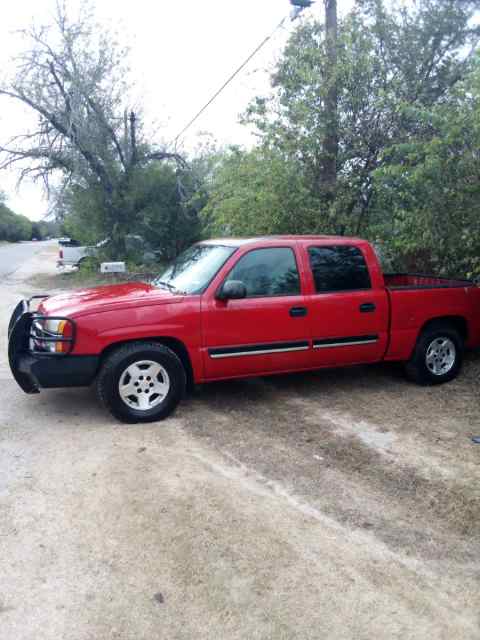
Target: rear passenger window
[[338, 268], [268, 272]]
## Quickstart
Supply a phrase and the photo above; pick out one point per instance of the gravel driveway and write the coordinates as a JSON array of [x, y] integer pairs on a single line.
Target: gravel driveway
[[340, 504]]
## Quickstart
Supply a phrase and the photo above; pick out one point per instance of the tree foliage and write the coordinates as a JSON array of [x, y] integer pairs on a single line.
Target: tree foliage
[[428, 195], [13, 227], [72, 76], [259, 192], [165, 222], [402, 88]]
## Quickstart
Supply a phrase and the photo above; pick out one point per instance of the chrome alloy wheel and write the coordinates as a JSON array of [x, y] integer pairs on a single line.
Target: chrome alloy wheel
[[144, 385], [441, 356]]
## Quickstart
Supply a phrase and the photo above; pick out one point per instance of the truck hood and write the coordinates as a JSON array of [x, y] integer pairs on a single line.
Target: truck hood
[[80, 301]]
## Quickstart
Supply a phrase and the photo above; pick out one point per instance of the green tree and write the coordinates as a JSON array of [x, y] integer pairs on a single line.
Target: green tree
[[164, 219], [428, 196], [13, 227], [391, 65], [72, 76], [259, 192]]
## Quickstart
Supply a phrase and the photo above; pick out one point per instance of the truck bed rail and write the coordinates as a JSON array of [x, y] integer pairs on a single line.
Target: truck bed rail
[[422, 281]]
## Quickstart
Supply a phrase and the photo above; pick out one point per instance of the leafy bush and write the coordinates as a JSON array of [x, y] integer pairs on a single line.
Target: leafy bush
[[12, 226]]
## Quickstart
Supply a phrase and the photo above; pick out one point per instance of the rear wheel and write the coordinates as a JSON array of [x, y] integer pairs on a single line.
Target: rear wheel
[[437, 357], [141, 382]]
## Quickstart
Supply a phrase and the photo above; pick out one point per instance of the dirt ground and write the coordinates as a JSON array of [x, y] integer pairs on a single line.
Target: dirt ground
[[341, 504]]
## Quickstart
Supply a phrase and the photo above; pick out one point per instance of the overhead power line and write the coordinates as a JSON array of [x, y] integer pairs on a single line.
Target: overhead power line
[[235, 73]]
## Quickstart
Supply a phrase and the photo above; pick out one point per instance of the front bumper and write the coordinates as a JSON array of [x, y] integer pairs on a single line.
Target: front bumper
[[34, 371]]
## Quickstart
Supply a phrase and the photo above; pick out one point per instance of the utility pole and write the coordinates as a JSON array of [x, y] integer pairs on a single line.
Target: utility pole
[[133, 136], [330, 142], [328, 174]]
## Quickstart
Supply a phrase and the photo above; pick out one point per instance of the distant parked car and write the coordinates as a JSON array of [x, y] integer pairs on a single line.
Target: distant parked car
[[73, 254]]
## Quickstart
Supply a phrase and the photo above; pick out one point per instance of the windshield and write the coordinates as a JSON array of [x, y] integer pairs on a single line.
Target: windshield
[[195, 268]]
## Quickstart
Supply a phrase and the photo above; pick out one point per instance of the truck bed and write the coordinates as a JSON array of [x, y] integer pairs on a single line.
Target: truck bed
[[415, 299], [420, 281]]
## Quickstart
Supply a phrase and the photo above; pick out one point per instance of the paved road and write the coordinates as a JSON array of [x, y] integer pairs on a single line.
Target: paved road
[[12, 256]]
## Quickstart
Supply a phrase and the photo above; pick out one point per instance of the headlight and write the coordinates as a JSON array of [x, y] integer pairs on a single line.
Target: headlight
[[55, 327], [51, 335]]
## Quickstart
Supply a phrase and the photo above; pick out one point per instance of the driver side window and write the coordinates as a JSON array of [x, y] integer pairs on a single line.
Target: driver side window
[[268, 272]]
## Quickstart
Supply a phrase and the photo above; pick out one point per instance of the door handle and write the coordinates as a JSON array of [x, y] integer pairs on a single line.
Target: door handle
[[367, 307], [298, 312]]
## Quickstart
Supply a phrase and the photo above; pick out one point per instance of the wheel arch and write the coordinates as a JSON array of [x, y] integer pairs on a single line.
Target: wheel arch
[[459, 323], [86, 257], [176, 345]]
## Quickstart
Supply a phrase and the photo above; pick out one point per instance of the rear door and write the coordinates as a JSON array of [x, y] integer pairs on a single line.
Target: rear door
[[268, 330], [347, 305]]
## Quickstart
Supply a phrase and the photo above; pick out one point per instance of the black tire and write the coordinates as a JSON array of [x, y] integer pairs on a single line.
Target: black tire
[[114, 367], [416, 368]]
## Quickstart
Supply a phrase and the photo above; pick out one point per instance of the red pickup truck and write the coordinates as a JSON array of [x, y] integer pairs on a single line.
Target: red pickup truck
[[242, 307]]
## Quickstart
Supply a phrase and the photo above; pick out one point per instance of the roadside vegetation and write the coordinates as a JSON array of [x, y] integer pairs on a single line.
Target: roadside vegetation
[[12, 226], [15, 227], [371, 128]]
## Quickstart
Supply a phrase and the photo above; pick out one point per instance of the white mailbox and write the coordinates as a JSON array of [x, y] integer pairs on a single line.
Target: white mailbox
[[113, 267]]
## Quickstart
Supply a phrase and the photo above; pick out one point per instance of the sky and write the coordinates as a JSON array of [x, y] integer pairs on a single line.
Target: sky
[[181, 52]]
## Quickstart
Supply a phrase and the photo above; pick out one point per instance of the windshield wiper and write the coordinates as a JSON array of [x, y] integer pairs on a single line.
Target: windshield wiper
[[169, 286]]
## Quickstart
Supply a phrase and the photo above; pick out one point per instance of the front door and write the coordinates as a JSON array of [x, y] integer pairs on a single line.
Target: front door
[[265, 332]]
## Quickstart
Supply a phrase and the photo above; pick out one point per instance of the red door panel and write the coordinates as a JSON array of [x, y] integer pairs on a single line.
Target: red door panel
[[268, 331], [254, 336], [342, 332]]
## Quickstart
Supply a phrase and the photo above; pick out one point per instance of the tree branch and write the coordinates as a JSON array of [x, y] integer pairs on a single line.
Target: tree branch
[[17, 155], [164, 155], [100, 115], [96, 166]]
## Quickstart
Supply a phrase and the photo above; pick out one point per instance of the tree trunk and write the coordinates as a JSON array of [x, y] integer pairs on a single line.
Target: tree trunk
[[330, 142]]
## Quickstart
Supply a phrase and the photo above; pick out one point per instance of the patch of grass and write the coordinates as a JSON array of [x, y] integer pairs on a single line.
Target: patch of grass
[[406, 504], [87, 277]]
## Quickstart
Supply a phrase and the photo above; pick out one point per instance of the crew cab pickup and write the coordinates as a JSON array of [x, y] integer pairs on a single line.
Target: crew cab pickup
[[233, 308], [72, 254]]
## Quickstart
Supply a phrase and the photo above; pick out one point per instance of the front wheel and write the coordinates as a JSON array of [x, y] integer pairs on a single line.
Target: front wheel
[[437, 357], [141, 382]]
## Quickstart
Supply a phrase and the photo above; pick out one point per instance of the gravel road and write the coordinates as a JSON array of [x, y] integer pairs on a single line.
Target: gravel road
[[334, 505]]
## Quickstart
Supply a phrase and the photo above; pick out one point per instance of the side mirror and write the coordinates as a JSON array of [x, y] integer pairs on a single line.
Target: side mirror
[[232, 290]]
